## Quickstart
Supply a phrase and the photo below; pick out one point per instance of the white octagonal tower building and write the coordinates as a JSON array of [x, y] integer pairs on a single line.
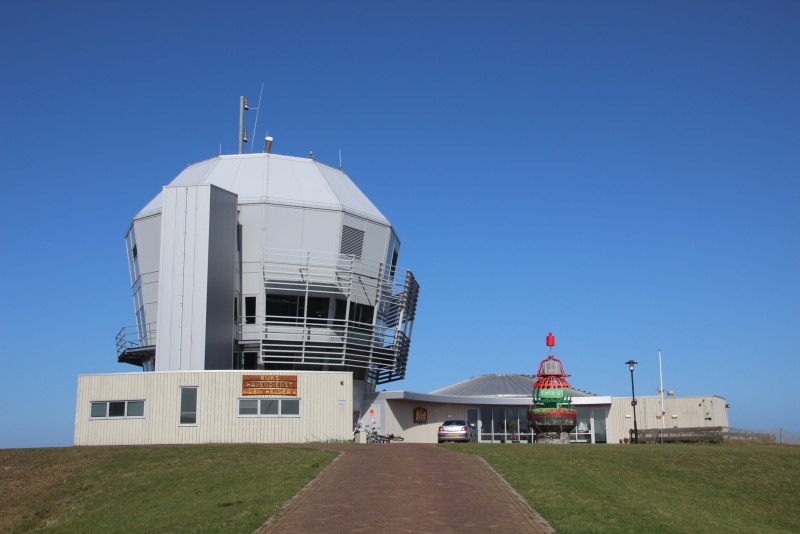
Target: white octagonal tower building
[[266, 262]]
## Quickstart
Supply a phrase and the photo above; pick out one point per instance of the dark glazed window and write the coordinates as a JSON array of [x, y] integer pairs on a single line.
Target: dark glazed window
[[318, 309], [290, 407], [340, 311], [116, 409], [269, 407], [285, 308], [361, 313], [250, 310], [188, 415]]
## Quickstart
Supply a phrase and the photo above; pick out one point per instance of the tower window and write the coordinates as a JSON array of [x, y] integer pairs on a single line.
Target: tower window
[[250, 310]]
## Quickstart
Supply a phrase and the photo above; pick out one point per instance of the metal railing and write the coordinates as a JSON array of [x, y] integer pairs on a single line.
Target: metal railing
[[381, 345], [135, 336]]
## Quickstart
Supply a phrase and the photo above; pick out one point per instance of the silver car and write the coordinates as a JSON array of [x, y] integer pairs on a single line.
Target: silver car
[[454, 430]]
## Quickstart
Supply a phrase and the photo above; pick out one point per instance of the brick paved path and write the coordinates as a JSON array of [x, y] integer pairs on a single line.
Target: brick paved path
[[404, 487]]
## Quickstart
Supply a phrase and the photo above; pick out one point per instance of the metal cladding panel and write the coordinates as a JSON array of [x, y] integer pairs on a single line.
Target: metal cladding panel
[[681, 412], [197, 173], [284, 228], [148, 237], [221, 261], [253, 219], [184, 278], [148, 245], [297, 181], [376, 237], [376, 241], [325, 409], [321, 230], [349, 194]]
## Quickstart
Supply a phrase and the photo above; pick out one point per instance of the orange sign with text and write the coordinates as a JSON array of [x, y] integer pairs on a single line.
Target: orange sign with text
[[279, 385]]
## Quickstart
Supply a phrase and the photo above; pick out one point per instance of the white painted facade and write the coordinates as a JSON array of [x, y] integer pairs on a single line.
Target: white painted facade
[[325, 409], [601, 419]]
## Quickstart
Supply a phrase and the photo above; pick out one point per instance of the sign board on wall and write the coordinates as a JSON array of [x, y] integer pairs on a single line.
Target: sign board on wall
[[420, 416], [279, 385]]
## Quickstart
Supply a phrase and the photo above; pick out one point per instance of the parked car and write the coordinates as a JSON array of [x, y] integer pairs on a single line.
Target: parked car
[[454, 430]]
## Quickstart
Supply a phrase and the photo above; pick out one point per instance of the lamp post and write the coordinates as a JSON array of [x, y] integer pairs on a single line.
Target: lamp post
[[631, 363]]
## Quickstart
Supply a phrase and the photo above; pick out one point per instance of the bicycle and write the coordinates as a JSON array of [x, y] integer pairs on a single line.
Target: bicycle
[[372, 434]]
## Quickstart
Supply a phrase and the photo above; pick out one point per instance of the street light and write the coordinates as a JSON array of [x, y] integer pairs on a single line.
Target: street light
[[631, 363]]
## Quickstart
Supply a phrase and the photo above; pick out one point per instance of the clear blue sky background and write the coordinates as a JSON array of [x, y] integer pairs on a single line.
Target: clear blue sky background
[[623, 174]]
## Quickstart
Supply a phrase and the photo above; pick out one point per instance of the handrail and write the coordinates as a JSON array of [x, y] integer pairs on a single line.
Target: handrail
[[135, 336]]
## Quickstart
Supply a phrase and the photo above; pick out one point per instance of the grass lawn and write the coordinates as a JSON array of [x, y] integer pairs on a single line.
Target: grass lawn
[[654, 488], [201, 488]]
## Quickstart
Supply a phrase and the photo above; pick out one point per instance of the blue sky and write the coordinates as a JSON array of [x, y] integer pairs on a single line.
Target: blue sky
[[623, 174]]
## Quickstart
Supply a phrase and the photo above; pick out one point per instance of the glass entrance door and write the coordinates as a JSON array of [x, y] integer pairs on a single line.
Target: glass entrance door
[[472, 422]]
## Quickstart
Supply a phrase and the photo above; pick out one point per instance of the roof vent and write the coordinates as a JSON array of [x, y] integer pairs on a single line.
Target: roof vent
[[267, 145]]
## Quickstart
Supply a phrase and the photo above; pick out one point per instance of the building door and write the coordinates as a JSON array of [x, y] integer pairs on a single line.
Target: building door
[[599, 417], [472, 422]]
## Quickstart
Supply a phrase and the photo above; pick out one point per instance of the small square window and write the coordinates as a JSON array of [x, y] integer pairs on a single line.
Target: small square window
[[248, 407], [269, 407], [116, 409], [290, 407], [99, 409], [135, 409]]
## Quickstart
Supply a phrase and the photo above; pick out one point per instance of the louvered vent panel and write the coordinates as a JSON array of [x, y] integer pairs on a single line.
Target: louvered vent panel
[[352, 241]]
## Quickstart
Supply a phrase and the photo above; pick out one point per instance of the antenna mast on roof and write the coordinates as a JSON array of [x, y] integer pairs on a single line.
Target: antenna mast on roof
[[242, 132]]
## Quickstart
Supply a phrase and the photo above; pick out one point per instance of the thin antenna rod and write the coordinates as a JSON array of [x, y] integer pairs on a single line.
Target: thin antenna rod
[[340, 160], [661, 389], [258, 110]]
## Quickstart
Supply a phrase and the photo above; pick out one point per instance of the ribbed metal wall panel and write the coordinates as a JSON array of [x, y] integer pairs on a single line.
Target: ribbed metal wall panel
[[689, 412], [326, 407]]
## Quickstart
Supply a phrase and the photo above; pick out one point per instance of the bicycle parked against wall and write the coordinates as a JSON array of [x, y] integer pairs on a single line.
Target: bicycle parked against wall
[[372, 434]]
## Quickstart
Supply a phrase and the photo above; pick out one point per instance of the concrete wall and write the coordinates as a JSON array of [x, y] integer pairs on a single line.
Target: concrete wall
[[325, 409]]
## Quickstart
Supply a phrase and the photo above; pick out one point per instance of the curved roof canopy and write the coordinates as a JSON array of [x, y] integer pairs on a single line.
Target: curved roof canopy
[[276, 179], [499, 385]]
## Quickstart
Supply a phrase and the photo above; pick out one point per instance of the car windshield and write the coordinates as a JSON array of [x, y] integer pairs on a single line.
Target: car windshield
[[455, 423]]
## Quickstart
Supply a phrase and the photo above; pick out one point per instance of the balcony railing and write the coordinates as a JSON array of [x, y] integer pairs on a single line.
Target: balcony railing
[[135, 336], [381, 345]]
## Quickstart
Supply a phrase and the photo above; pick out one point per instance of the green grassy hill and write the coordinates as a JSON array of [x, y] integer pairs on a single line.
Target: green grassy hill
[[655, 488], [202, 488]]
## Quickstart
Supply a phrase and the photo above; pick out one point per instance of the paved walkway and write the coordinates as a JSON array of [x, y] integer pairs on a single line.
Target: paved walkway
[[404, 487]]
